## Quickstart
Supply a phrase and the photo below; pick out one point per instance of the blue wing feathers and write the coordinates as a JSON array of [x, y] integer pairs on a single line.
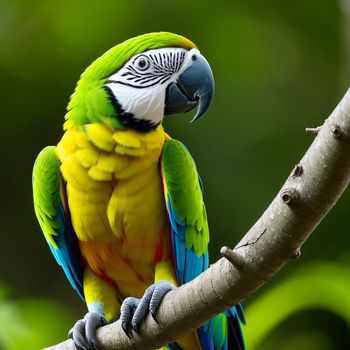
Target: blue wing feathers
[[188, 264], [240, 312], [180, 257], [67, 255], [192, 262], [205, 338]]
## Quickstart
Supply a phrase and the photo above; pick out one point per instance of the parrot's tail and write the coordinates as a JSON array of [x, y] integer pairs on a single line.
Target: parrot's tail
[[223, 332]]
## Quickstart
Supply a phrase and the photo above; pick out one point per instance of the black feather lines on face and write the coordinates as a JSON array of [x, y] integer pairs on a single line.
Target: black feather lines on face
[[163, 66], [128, 119]]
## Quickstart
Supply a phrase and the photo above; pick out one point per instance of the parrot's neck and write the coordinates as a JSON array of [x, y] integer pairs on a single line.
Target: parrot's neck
[[125, 142]]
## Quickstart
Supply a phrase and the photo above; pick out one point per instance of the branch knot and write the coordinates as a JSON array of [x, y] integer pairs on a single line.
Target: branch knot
[[234, 258], [297, 171], [290, 196], [336, 131]]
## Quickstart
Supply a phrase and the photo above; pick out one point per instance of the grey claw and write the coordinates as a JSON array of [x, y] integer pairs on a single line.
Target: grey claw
[[92, 322], [134, 310], [76, 334], [83, 332], [126, 331], [126, 311], [153, 314], [142, 308], [161, 289]]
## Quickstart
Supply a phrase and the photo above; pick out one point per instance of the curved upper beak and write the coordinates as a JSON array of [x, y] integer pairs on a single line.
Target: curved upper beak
[[194, 87]]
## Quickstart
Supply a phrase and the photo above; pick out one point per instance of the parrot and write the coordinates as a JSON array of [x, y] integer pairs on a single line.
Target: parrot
[[120, 202]]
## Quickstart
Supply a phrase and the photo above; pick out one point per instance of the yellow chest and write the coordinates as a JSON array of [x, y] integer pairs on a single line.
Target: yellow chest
[[114, 189]]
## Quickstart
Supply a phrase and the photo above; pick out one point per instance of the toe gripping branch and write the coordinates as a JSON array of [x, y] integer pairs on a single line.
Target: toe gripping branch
[[133, 310], [83, 333]]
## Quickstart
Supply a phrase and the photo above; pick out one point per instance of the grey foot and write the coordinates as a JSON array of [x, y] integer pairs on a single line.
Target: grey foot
[[134, 310], [83, 332]]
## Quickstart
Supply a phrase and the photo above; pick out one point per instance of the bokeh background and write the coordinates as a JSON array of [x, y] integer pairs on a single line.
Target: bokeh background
[[280, 66]]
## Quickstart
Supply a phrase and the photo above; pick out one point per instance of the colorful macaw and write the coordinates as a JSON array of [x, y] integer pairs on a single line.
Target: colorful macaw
[[119, 201]]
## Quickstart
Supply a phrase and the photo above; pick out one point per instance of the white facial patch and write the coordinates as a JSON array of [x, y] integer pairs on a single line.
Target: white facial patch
[[140, 85]]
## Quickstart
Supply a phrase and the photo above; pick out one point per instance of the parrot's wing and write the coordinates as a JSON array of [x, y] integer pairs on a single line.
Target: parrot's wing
[[190, 238], [52, 212], [186, 209]]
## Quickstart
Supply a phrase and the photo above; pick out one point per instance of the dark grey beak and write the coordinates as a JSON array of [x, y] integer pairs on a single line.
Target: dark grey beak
[[194, 87]]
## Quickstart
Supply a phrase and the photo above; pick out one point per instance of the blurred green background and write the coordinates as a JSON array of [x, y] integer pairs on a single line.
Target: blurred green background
[[280, 66]]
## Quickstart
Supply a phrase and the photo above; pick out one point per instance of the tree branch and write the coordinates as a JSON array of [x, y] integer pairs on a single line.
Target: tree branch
[[308, 194]]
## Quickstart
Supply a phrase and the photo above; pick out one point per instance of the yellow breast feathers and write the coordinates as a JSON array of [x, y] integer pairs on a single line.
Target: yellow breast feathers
[[113, 182]]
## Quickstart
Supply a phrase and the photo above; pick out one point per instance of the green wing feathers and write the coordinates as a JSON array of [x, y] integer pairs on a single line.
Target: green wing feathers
[[184, 193], [53, 215], [186, 210], [46, 192]]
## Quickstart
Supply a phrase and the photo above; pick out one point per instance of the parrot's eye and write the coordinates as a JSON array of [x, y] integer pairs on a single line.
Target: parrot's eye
[[142, 63]]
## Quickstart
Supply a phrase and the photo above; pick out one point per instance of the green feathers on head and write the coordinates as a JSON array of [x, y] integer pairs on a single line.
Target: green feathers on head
[[90, 102]]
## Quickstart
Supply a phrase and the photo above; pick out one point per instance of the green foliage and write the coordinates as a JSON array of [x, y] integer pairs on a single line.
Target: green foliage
[[322, 285], [31, 323], [11, 320]]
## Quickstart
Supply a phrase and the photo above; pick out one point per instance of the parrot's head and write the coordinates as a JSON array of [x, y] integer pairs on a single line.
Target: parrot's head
[[138, 82]]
